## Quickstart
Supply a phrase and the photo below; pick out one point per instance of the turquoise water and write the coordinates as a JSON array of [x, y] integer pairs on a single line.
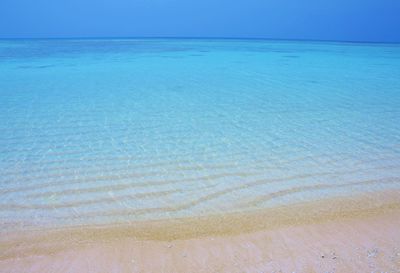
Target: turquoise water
[[115, 131]]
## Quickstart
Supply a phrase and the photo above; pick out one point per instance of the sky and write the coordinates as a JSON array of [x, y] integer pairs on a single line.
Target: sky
[[339, 20]]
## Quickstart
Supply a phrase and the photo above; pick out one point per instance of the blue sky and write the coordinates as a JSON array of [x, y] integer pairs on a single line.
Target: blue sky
[[348, 20]]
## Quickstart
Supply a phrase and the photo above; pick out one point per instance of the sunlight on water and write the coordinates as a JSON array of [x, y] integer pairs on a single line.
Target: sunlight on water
[[113, 131]]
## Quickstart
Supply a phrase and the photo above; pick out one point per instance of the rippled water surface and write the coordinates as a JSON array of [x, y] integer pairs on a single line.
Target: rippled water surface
[[113, 131]]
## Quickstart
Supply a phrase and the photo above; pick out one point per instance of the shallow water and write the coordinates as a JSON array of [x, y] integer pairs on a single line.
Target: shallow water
[[115, 131]]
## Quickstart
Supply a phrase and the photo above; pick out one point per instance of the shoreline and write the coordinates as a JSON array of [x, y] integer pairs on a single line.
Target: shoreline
[[368, 244], [330, 226], [309, 219]]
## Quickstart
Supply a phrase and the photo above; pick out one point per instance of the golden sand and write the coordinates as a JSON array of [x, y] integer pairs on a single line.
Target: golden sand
[[357, 234]]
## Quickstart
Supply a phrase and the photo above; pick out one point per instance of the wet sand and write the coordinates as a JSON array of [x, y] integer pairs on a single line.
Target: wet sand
[[358, 234]]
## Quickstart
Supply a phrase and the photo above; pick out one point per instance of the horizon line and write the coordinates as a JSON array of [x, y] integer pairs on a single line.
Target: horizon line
[[198, 38]]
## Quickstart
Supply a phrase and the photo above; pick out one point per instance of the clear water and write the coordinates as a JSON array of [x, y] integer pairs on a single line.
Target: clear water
[[114, 131]]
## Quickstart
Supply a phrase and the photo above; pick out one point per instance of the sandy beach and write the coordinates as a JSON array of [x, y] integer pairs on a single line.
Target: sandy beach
[[338, 235]]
